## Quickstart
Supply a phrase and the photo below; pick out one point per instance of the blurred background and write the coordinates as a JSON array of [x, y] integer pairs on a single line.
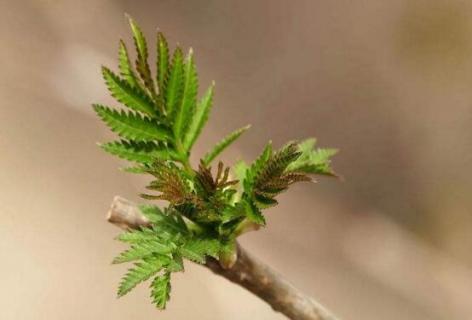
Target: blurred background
[[386, 82]]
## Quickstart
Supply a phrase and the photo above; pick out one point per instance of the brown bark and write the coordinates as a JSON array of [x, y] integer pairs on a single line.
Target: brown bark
[[247, 272]]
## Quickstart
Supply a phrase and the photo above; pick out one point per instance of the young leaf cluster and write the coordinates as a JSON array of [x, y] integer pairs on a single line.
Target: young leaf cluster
[[158, 123]]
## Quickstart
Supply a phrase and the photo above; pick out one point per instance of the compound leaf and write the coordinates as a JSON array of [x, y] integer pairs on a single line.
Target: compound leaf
[[142, 271]]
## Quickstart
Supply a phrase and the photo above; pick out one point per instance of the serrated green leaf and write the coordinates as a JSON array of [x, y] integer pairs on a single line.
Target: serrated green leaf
[[277, 164], [189, 94], [253, 213], [169, 221], [132, 126], [200, 118], [264, 202], [142, 271], [320, 161], [268, 176], [256, 167], [142, 55], [196, 249], [137, 236], [223, 144], [160, 290], [138, 151], [266, 154], [307, 145], [126, 70], [130, 96], [139, 39], [162, 61], [311, 160], [176, 264], [134, 170], [240, 170], [174, 82], [152, 213], [145, 249], [231, 213]]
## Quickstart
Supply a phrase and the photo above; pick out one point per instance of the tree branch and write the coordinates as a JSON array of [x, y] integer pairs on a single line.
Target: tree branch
[[247, 272]]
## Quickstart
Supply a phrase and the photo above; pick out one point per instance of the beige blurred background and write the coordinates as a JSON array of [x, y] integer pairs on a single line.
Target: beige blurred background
[[387, 82]]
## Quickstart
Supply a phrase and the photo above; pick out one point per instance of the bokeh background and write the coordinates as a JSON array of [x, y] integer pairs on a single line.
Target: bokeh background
[[387, 82]]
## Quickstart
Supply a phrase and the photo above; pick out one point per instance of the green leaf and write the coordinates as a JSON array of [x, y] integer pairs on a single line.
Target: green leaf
[[232, 213], [162, 61], [196, 249], [137, 236], [307, 145], [176, 264], [268, 176], [277, 163], [320, 162], [139, 39], [174, 82], [130, 96], [169, 222], [189, 94], [126, 70], [160, 290], [240, 170], [135, 169], [253, 213], [152, 212], [131, 125], [256, 167], [144, 249], [223, 144], [142, 271], [200, 118], [311, 160], [264, 202], [142, 55], [138, 151]]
